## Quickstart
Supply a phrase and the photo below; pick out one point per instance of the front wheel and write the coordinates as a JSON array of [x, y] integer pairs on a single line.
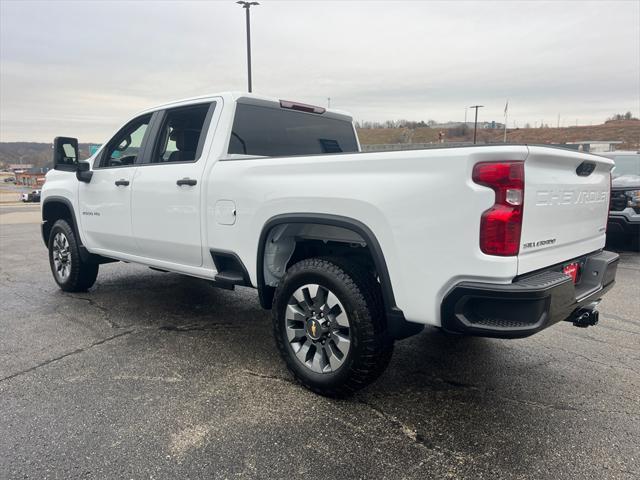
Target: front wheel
[[330, 327], [70, 272]]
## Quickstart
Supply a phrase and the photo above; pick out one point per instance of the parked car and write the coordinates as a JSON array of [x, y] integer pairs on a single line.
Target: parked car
[[10, 180], [33, 196], [350, 251], [624, 211]]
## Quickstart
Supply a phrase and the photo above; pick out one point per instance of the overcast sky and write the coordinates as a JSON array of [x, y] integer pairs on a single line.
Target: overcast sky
[[82, 68]]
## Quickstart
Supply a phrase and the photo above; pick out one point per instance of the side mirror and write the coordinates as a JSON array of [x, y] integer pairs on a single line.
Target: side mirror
[[84, 172], [65, 154]]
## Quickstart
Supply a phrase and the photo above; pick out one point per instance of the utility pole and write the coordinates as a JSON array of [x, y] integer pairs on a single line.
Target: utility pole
[[475, 123], [328, 102], [506, 113], [247, 7]]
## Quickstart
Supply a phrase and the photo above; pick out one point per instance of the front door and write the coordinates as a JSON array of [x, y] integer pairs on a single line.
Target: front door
[[105, 202], [168, 184]]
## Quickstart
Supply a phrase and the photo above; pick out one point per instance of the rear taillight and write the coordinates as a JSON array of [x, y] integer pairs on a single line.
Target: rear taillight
[[501, 225]]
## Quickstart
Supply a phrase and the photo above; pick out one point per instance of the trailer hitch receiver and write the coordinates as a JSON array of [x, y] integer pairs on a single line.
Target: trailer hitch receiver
[[585, 317]]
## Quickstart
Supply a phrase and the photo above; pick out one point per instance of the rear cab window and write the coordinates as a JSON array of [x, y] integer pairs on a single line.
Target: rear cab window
[[273, 131]]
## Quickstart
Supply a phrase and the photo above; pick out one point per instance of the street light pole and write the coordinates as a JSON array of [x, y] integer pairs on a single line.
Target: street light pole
[[247, 7], [475, 123]]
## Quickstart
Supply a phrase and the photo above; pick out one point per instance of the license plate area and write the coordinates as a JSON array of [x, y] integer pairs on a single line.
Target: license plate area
[[572, 270]]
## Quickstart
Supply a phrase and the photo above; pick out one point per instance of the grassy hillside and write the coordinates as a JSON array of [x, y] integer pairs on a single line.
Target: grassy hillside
[[627, 131], [38, 154]]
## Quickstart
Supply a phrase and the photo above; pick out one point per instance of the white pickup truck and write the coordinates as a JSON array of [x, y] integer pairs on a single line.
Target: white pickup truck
[[349, 250]]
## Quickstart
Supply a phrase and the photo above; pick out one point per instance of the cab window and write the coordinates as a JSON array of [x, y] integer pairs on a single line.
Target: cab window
[[181, 136], [124, 148], [273, 132]]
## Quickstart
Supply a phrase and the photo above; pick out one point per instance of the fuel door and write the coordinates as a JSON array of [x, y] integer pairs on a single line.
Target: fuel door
[[225, 212]]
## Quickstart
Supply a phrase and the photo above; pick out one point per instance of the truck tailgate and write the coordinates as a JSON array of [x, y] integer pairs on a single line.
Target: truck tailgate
[[565, 206]]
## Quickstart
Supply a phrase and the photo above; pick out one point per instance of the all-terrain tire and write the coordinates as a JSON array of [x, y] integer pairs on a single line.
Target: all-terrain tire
[[359, 292], [78, 275]]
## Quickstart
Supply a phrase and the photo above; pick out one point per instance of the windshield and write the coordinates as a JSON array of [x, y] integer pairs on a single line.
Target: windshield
[[626, 165]]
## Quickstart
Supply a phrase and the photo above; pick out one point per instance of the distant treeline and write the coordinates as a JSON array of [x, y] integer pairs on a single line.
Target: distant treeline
[[395, 124], [32, 153], [431, 123]]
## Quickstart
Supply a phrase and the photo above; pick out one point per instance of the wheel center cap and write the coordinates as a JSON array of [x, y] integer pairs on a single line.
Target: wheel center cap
[[314, 329]]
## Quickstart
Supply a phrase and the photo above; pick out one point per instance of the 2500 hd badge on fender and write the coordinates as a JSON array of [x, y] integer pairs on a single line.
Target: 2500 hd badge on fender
[[349, 250]]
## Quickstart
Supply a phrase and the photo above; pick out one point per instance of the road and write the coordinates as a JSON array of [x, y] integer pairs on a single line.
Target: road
[[154, 375]]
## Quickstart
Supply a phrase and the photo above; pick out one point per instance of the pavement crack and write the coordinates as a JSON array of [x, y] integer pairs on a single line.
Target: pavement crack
[[605, 342], [266, 376], [623, 330], [584, 357], [410, 433], [197, 327], [618, 317], [104, 310], [65, 355], [439, 383]]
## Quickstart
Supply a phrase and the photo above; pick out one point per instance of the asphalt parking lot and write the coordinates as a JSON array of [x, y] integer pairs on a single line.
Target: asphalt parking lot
[[154, 375]]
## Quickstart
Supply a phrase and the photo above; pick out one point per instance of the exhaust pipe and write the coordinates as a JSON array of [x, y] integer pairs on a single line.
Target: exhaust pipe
[[585, 317]]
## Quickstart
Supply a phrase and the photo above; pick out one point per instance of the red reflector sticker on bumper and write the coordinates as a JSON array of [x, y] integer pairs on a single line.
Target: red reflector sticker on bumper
[[572, 269]]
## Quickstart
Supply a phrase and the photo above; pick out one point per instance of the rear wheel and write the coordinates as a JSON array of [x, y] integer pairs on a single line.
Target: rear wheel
[[330, 327], [70, 272]]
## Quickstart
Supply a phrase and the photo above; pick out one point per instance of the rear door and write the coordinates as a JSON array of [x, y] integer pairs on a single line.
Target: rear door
[[566, 204], [105, 202], [166, 199]]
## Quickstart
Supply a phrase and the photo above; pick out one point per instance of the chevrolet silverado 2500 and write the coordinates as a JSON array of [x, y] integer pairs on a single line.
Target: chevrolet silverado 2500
[[349, 250], [624, 211]]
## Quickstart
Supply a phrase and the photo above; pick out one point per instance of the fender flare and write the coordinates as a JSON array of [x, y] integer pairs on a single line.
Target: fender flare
[[84, 253], [398, 326], [69, 205]]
